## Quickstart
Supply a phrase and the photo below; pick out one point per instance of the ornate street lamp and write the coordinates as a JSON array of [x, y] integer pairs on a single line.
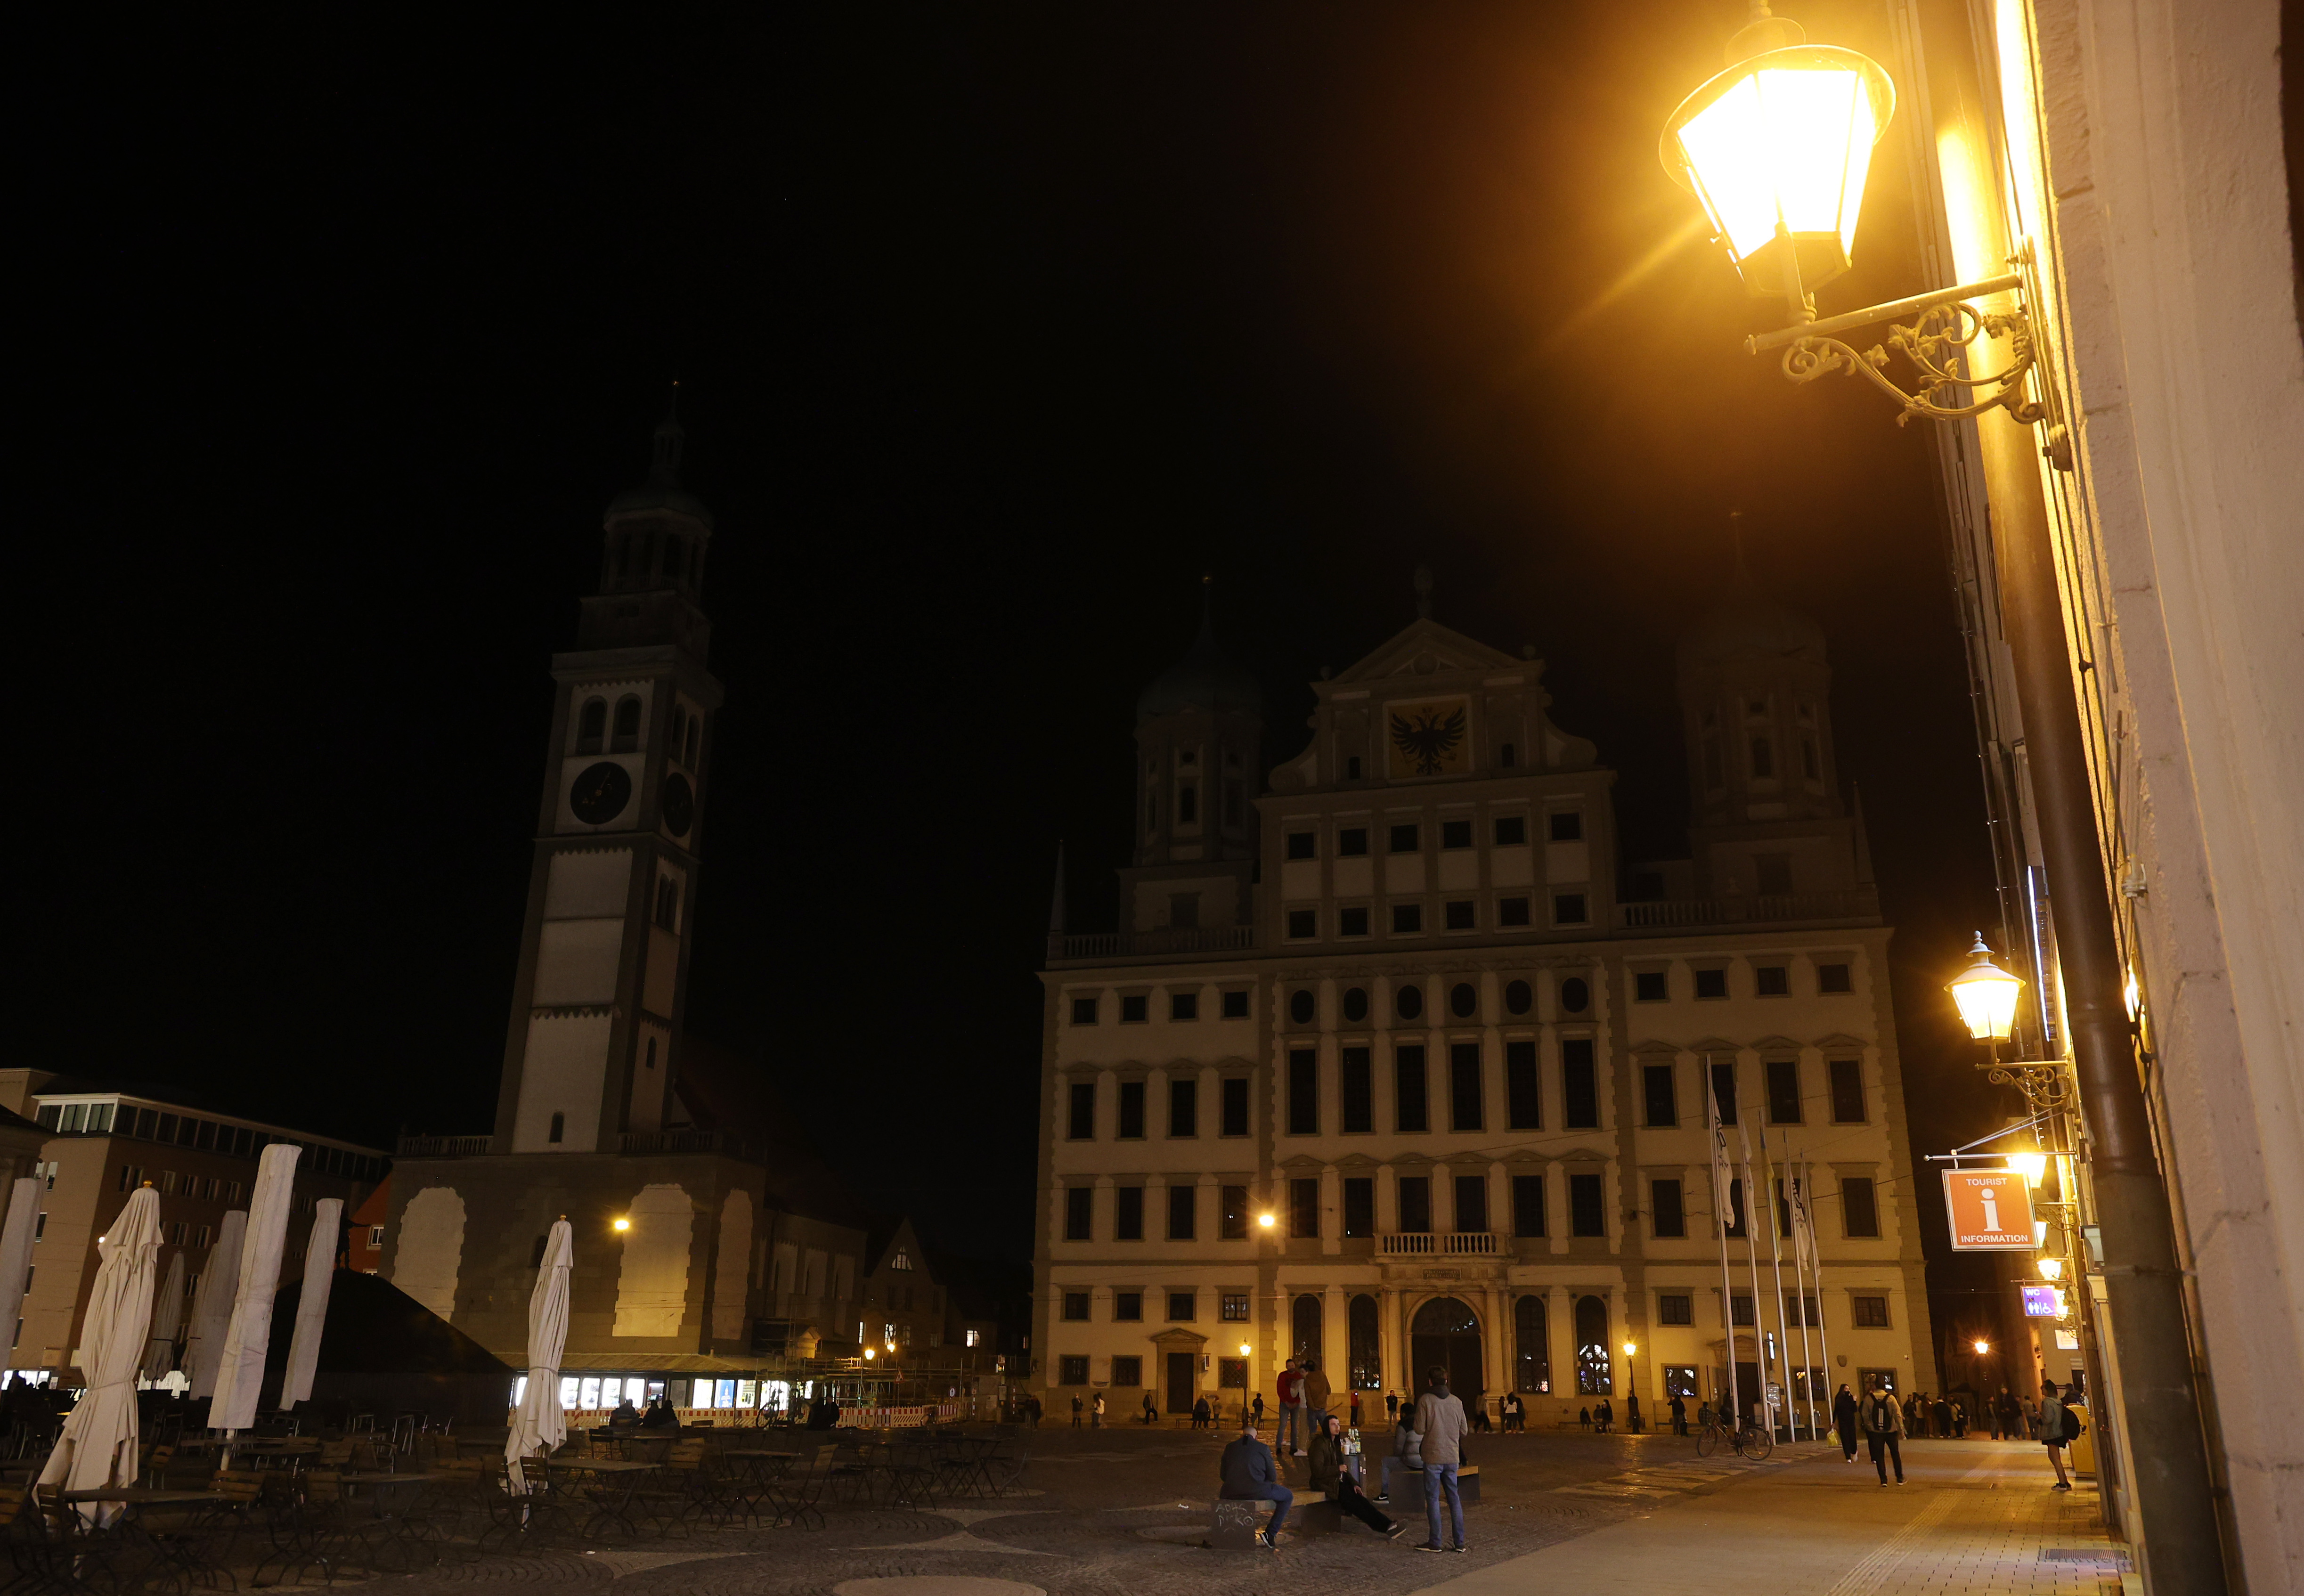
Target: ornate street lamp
[[1986, 995]]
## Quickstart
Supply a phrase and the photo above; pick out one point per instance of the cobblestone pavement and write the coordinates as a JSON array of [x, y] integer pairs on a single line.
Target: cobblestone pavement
[[1116, 1513]]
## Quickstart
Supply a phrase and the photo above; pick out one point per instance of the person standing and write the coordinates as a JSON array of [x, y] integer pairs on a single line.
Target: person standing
[[1940, 1417], [1256, 1408], [1357, 1425], [1151, 1409], [1392, 1407], [1202, 1419], [1095, 1411], [1327, 1472], [1250, 1475], [1078, 1407], [1679, 1414], [1316, 1395], [2055, 1430], [1843, 1423], [1440, 1425], [1292, 1410], [1883, 1429]]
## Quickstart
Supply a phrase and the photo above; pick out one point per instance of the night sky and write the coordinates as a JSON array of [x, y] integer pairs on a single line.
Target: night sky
[[996, 327]]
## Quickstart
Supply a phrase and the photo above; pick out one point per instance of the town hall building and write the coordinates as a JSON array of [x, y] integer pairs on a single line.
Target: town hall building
[[1391, 1062]]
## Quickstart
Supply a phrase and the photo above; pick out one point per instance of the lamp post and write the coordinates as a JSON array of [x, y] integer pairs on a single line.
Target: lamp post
[[1755, 147], [1633, 1384]]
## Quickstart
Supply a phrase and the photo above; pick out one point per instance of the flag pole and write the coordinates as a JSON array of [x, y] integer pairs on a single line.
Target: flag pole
[[1799, 1193], [1777, 1203], [1816, 1263], [1725, 1212], [1752, 1263]]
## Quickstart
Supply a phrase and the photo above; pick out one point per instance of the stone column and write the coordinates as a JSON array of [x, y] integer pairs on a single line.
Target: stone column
[[1495, 1347], [1560, 1330], [1336, 1350]]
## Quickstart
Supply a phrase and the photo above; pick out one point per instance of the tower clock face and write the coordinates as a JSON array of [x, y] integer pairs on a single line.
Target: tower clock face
[[679, 805], [601, 792]]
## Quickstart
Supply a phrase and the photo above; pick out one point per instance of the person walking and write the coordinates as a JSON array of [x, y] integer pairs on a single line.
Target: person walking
[[1406, 1454], [1440, 1425], [1095, 1411], [1843, 1422], [1327, 1472], [1250, 1475], [1257, 1409], [1679, 1414], [2055, 1430], [1883, 1429], [1316, 1395], [1391, 1407], [1292, 1410]]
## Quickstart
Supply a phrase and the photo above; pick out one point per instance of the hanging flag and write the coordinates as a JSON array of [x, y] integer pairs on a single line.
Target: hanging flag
[[1722, 1169]]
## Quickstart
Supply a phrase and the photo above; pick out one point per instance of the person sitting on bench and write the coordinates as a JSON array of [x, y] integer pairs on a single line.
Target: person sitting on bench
[[1249, 1475], [1328, 1474], [1406, 1454]]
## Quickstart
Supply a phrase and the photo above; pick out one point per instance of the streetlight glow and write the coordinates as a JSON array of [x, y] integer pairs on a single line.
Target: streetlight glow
[[2032, 1166], [2051, 1269], [1981, 1347], [620, 1224], [1265, 1220], [1986, 996], [1243, 1349]]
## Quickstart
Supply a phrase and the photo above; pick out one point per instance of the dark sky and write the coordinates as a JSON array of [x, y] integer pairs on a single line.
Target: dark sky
[[996, 327]]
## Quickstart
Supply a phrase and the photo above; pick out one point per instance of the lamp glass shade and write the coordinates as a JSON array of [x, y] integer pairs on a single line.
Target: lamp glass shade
[[2032, 1166], [1783, 140], [2051, 1269], [1986, 996]]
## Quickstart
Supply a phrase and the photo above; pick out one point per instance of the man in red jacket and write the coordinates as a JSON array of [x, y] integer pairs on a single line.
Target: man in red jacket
[[1291, 1409]]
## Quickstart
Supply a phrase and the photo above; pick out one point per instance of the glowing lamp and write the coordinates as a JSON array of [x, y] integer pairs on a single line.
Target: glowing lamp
[[1981, 1347], [1243, 1349], [1986, 996], [2051, 1269], [1265, 1220], [2032, 1166], [1776, 148], [868, 1354], [619, 1225]]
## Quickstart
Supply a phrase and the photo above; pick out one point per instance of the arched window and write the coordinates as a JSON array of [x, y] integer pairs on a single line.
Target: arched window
[[559, 1126], [1304, 1320], [667, 902], [1594, 1364], [626, 735], [679, 728], [1188, 805], [651, 1053], [591, 725], [1409, 1001], [1532, 1351], [1445, 1334], [695, 734], [1366, 1354], [1763, 760]]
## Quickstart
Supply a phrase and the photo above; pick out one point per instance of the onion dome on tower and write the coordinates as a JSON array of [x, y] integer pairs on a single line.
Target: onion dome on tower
[[1200, 734]]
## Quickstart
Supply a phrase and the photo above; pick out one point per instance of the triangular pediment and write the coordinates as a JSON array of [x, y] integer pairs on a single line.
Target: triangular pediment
[[1778, 1044], [1424, 647], [1841, 1039], [1655, 1050], [1179, 1337], [1713, 1044]]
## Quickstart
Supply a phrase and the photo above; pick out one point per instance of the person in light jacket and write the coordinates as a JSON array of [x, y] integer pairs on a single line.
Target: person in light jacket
[[1440, 1422], [1882, 1418], [1407, 1453]]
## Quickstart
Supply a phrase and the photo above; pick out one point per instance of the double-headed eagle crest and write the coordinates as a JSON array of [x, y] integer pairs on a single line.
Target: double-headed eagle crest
[[1426, 737]]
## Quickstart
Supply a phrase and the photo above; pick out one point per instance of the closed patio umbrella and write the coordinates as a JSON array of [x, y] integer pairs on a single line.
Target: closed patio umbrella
[[98, 1447], [16, 1246], [312, 1302], [240, 1374], [539, 1425], [168, 1319], [212, 1304]]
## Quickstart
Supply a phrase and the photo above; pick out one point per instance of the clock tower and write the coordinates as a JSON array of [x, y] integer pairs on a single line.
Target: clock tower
[[594, 1031]]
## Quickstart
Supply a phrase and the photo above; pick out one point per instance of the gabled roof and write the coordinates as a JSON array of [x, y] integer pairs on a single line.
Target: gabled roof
[[1424, 647]]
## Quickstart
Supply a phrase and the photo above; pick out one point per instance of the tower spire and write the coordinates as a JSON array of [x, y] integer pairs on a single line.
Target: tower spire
[[670, 438]]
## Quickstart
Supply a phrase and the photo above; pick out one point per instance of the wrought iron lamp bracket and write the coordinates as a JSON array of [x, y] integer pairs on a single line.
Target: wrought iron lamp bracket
[[2046, 1084]]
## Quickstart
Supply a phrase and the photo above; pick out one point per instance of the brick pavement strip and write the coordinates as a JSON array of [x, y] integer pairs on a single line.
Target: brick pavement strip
[[1642, 1513]]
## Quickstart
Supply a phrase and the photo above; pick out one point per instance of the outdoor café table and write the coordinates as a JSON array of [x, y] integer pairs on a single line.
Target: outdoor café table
[[387, 1527], [755, 1471], [127, 1530], [605, 1512]]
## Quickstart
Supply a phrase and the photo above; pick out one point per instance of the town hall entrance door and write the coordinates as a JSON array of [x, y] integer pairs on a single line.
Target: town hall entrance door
[[1444, 1332], [1184, 1371]]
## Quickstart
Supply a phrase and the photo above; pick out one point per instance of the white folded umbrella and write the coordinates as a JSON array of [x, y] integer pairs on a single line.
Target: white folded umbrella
[[240, 1376], [98, 1447], [16, 1247], [212, 1304], [539, 1425], [168, 1319], [312, 1302]]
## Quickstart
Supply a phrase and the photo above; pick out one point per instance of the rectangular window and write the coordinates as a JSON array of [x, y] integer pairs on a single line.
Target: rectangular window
[[1181, 1200], [1585, 1216], [1080, 1213], [1568, 908], [1415, 1204], [1084, 1011], [1352, 843], [1411, 1103], [1132, 1110], [1847, 1091], [1772, 980], [1184, 1005], [1579, 1084], [1458, 916], [1664, 1211], [1135, 1008], [1352, 922], [1871, 1312], [1783, 1091], [1407, 919], [1511, 911], [1834, 978], [1304, 1208], [1359, 1206], [1127, 1371], [1179, 1307], [1071, 1370], [1661, 1101], [1724, 1092], [1082, 1127], [1356, 1081], [1512, 831], [1403, 839], [1128, 1213], [1674, 1309], [1651, 986], [1471, 1202], [1567, 825], [1740, 1309], [1860, 1207], [1712, 983], [1183, 1107], [1523, 1095], [1128, 1305], [1455, 833], [1232, 1373], [1303, 924], [1303, 1092], [1235, 1106], [1075, 1307], [1232, 1307], [1235, 1213], [1528, 1205], [1465, 1110], [1302, 845], [1235, 1006]]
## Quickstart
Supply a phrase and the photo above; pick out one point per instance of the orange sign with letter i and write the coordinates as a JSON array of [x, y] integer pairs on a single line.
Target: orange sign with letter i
[[1991, 1211]]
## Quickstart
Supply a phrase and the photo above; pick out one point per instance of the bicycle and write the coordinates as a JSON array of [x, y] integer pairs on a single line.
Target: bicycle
[[1750, 1440]]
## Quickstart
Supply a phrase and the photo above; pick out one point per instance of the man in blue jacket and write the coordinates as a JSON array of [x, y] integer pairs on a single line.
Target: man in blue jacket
[[1249, 1475]]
